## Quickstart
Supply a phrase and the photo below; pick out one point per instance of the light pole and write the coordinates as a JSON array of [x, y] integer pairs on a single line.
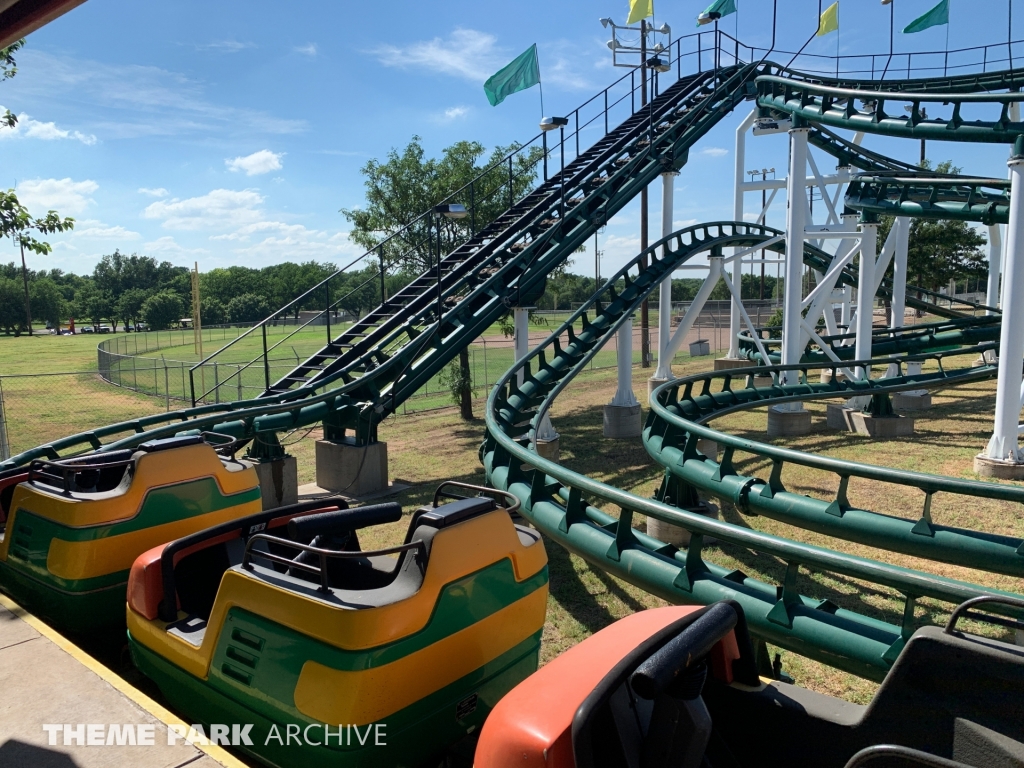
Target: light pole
[[448, 211], [643, 64], [24, 278]]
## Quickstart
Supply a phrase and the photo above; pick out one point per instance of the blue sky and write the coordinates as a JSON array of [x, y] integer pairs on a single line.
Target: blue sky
[[231, 132]]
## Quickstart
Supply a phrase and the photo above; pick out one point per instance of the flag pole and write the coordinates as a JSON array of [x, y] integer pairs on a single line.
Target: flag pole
[[539, 83]]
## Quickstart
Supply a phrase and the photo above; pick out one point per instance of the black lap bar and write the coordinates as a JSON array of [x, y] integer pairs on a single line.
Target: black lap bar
[[342, 520], [657, 673]]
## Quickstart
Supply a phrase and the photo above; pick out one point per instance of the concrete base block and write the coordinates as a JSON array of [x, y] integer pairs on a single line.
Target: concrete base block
[[653, 384], [708, 447], [725, 363], [858, 422], [279, 481], [622, 421], [1000, 470], [788, 423], [826, 376], [680, 537], [549, 449], [914, 400], [354, 470]]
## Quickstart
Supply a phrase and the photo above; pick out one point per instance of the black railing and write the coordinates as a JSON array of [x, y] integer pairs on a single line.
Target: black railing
[[695, 53]]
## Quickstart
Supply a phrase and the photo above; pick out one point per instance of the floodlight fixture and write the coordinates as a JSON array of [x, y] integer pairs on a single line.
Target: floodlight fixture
[[613, 44], [451, 210], [707, 18], [550, 123], [605, 22], [658, 65], [886, 2], [664, 29]]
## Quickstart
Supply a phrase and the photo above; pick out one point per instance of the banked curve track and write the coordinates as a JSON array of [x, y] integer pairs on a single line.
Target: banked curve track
[[565, 504]]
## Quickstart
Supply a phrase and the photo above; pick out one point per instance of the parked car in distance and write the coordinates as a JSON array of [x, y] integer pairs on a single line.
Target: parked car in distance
[[104, 329], [88, 329]]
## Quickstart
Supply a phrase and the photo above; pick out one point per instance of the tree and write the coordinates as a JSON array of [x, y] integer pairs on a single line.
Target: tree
[[15, 220], [247, 308], [47, 302], [212, 312], [940, 250], [12, 315], [162, 309], [406, 186], [128, 307]]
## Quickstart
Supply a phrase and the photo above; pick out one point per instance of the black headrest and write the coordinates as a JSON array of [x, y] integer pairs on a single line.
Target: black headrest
[[167, 443], [342, 520], [453, 512]]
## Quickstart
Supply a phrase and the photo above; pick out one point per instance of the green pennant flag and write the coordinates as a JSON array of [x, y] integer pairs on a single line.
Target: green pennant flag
[[935, 17], [721, 7], [522, 73]]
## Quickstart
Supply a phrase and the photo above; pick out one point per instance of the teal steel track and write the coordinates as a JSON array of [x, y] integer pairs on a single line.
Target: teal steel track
[[365, 372]]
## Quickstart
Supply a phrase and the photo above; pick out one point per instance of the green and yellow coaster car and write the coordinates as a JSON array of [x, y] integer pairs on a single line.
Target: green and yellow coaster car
[[337, 656], [74, 527]]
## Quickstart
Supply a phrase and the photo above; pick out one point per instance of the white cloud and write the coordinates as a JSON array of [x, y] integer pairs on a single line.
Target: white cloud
[[453, 113], [225, 46], [263, 161], [309, 49], [66, 196], [466, 53], [714, 152], [95, 230], [295, 242], [220, 208], [167, 245], [30, 128], [130, 100], [157, 192]]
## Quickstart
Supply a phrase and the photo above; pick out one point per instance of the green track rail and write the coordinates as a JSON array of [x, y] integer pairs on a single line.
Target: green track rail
[[363, 377]]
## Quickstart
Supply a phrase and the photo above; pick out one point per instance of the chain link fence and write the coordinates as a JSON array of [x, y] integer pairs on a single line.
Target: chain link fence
[[144, 373]]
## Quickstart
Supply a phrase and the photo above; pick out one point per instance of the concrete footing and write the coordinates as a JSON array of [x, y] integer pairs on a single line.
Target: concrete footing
[[826, 376], [549, 449], [788, 423], [676, 536], [1000, 470], [708, 447], [914, 400], [725, 363], [653, 384], [622, 421], [279, 481], [354, 470], [854, 420]]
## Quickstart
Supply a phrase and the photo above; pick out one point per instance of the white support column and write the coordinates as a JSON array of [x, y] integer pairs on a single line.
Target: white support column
[[735, 321], [792, 418], [995, 253], [796, 223], [664, 370], [622, 416], [546, 439], [1002, 457], [865, 293], [899, 272]]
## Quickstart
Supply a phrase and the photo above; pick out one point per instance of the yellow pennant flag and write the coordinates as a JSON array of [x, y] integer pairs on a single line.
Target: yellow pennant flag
[[829, 20], [640, 9]]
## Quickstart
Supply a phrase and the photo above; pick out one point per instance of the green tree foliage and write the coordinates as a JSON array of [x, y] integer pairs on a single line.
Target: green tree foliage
[[400, 190], [247, 308], [212, 312], [128, 307], [941, 250], [407, 185], [12, 310], [48, 303], [162, 309]]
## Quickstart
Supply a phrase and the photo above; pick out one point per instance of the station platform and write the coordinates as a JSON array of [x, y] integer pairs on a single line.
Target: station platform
[[48, 681]]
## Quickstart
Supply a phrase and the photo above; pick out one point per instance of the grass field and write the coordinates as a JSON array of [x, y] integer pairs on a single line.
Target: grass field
[[427, 448]]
